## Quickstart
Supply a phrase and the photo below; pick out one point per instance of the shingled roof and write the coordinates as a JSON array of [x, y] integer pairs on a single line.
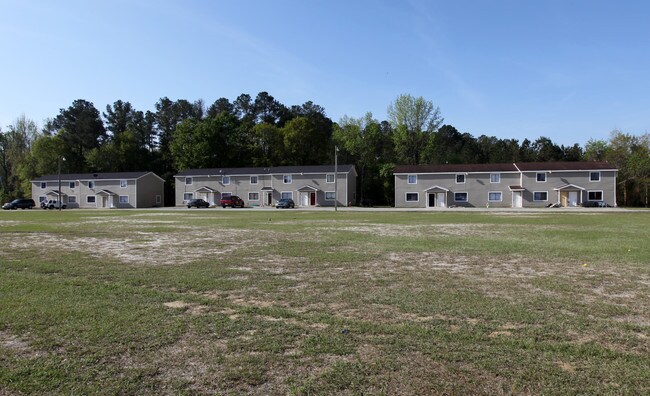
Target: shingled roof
[[94, 176], [511, 167], [277, 170]]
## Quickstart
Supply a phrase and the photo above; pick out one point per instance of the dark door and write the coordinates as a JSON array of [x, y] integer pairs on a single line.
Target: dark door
[[432, 200]]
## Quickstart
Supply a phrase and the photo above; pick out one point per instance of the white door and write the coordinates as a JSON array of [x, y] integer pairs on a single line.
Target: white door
[[441, 200], [304, 198], [516, 199], [573, 198]]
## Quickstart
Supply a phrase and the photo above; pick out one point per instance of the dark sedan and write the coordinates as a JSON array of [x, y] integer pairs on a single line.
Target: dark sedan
[[197, 203], [285, 203]]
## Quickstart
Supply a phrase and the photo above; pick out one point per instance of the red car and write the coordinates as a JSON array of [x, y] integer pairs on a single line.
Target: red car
[[232, 201]]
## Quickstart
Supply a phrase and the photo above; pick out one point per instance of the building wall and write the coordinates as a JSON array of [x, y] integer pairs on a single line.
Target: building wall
[[478, 187], [241, 186], [150, 191]]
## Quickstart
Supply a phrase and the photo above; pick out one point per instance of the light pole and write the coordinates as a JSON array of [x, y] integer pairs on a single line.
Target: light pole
[[336, 184]]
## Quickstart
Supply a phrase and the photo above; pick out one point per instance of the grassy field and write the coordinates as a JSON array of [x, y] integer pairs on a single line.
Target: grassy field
[[300, 302]]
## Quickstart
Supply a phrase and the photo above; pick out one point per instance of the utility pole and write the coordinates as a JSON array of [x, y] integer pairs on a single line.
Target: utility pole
[[336, 178]]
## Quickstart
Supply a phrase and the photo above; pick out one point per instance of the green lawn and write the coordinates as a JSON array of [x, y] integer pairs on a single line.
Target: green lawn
[[217, 301]]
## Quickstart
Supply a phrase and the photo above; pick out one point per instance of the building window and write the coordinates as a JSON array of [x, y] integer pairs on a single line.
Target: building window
[[541, 177], [594, 176], [329, 178], [42, 198], [287, 179], [225, 180], [72, 199], [225, 195], [253, 179], [158, 199], [71, 185], [43, 184], [253, 196], [495, 177], [412, 197], [460, 197], [460, 179], [188, 181], [124, 199], [412, 179], [90, 199], [123, 183], [595, 195], [91, 184], [188, 196], [330, 196], [495, 196], [286, 195], [540, 196]]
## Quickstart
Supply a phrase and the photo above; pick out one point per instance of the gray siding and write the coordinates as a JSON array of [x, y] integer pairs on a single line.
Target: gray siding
[[301, 188], [479, 188]]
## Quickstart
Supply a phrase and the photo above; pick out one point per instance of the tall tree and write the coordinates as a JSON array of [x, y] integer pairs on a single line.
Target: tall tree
[[81, 130], [414, 121]]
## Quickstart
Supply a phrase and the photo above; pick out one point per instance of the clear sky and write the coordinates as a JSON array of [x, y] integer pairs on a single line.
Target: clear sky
[[568, 70]]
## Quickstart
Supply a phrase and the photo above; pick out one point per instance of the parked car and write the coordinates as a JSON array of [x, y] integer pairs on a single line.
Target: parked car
[[232, 201], [197, 203], [285, 203], [20, 203], [367, 203], [52, 204]]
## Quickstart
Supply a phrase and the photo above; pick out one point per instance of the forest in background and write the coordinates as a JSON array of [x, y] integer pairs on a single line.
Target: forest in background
[[260, 131]]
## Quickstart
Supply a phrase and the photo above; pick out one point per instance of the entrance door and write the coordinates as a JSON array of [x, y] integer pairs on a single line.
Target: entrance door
[[573, 198], [432, 200], [312, 199], [441, 200], [304, 199], [516, 199], [269, 198], [104, 202]]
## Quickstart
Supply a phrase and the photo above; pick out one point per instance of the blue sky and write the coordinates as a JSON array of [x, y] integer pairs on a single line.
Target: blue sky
[[568, 70]]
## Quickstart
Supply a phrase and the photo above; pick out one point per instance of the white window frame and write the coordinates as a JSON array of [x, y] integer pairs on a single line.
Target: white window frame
[[417, 197], [124, 183], [331, 197], [495, 200], [595, 191], [494, 176], [282, 193], [189, 181], [538, 174], [121, 201], [91, 184], [328, 176], [42, 198], [256, 178], [43, 185], [594, 173], [540, 192], [462, 192], [72, 184], [93, 197], [72, 199], [188, 196], [225, 180], [464, 176], [414, 178], [287, 177], [253, 199]]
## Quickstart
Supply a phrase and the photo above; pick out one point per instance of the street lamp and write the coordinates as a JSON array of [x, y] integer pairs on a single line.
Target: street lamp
[[336, 171]]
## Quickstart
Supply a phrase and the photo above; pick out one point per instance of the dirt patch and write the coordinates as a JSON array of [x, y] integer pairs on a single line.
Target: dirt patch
[[18, 345], [190, 308]]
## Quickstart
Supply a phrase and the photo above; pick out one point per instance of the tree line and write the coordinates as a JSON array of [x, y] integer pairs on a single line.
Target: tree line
[[261, 131]]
